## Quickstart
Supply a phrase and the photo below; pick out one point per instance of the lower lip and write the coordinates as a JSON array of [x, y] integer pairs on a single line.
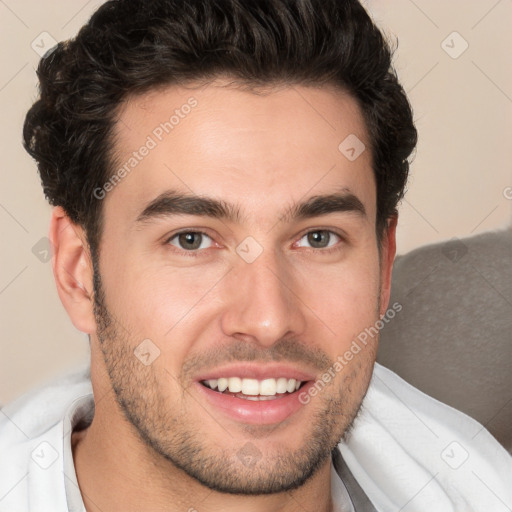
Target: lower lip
[[260, 412]]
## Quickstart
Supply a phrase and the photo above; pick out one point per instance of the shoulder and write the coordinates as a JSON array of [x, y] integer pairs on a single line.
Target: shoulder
[[32, 442], [37, 410], [401, 435]]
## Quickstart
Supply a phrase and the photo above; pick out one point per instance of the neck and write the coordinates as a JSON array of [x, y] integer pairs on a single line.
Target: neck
[[116, 470]]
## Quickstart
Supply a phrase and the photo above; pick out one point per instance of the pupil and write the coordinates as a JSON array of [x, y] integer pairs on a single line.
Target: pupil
[[318, 238], [188, 238]]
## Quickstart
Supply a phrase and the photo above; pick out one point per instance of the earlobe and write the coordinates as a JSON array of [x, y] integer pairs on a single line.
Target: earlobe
[[387, 257], [72, 270]]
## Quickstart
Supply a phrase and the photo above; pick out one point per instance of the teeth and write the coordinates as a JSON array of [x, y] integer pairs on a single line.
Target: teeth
[[222, 384], [250, 387], [268, 387], [253, 387], [282, 385], [235, 385]]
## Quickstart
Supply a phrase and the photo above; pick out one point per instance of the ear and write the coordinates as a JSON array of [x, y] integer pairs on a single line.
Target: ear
[[72, 269], [387, 256]]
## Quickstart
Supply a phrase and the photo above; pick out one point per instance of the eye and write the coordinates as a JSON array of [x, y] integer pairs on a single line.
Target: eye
[[190, 240], [320, 239]]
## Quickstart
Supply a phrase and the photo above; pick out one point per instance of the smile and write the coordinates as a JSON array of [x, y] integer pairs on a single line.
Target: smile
[[252, 401], [254, 389]]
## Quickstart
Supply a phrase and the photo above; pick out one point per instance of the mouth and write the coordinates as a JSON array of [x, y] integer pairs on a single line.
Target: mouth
[[257, 396]]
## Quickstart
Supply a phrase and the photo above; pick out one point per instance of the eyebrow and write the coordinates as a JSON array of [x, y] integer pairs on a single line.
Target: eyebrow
[[171, 203]]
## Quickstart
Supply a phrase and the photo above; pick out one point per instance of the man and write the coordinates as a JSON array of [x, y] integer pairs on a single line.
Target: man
[[225, 176]]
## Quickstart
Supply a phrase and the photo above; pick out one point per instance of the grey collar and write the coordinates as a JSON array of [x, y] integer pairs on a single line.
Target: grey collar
[[359, 498]]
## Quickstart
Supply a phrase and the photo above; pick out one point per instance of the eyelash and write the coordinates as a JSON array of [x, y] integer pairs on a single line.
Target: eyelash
[[197, 252]]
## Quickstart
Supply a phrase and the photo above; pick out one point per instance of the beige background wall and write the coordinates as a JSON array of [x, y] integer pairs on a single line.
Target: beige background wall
[[460, 177]]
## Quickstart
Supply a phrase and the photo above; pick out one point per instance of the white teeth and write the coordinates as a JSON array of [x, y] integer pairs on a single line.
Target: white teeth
[[291, 386], [253, 387], [250, 387], [282, 385], [222, 384], [235, 385], [268, 387]]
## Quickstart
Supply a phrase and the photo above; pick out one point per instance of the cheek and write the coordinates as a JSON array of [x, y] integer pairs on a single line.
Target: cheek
[[345, 297], [161, 302]]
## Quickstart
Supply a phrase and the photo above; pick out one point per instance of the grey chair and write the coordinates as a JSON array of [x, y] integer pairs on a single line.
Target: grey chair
[[453, 337]]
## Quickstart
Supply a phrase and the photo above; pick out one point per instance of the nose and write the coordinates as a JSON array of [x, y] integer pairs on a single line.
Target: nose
[[262, 300]]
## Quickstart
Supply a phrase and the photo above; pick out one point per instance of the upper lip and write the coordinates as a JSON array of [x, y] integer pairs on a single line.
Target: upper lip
[[259, 372]]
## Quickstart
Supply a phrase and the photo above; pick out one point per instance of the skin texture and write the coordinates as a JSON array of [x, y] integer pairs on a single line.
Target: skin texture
[[155, 443]]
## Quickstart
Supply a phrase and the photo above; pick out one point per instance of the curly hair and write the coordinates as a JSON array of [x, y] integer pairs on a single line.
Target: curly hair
[[132, 46]]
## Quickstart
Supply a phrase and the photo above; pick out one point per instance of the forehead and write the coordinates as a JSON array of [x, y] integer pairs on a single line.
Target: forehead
[[253, 149]]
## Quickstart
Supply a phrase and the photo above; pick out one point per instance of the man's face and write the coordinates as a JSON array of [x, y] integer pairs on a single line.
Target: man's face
[[273, 292]]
